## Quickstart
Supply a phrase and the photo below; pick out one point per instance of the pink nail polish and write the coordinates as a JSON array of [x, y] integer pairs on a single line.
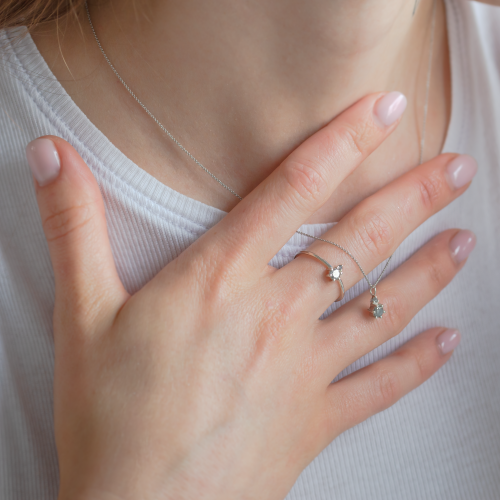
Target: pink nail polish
[[448, 340], [462, 245], [43, 160], [461, 171], [390, 107]]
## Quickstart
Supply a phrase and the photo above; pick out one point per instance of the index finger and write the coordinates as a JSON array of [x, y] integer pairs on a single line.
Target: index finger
[[267, 218]]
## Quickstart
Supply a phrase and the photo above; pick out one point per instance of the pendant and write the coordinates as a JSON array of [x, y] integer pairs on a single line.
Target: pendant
[[376, 309]]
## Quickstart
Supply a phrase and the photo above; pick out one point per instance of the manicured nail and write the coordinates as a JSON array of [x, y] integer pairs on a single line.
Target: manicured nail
[[462, 245], [461, 171], [390, 107], [43, 160], [448, 340]]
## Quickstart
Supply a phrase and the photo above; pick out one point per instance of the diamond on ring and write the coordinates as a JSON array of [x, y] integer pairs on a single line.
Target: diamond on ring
[[335, 272]]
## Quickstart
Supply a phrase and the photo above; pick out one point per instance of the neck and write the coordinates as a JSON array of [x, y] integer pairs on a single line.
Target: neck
[[241, 84]]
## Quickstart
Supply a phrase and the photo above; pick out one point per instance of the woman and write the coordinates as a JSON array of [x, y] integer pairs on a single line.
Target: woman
[[185, 366]]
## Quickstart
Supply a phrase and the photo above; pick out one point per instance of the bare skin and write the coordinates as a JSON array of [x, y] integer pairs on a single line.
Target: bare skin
[[214, 380], [240, 102]]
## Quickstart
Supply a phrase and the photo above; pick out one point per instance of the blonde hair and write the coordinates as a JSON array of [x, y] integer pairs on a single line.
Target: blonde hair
[[32, 12]]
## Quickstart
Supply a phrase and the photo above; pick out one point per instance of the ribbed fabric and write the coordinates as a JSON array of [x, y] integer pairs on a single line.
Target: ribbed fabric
[[440, 442]]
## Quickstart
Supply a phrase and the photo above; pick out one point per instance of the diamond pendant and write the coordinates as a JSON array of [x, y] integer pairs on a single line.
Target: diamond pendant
[[376, 309]]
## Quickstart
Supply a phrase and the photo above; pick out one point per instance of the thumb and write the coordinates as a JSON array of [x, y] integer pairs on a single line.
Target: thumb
[[88, 289]]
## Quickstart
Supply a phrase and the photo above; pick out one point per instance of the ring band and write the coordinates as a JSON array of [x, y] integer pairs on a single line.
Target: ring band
[[333, 273]]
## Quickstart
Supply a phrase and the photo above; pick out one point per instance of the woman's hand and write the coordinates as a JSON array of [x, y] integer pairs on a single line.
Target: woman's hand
[[214, 380]]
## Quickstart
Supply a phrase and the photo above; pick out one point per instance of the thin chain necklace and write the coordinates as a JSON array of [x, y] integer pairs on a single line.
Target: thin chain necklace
[[375, 307]]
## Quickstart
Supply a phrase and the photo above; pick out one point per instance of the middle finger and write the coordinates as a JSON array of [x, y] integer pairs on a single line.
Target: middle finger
[[375, 228]]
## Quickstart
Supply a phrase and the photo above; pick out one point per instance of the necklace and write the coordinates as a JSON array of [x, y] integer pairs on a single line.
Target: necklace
[[376, 309]]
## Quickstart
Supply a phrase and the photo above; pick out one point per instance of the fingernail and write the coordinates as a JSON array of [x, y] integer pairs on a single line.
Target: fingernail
[[461, 171], [390, 107], [462, 245], [43, 160], [448, 340]]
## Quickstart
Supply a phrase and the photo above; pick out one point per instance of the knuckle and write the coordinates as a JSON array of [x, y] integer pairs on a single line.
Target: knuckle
[[415, 363], [396, 308], [355, 138], [63, 222], [213, 278], [437, 272], [305, 180], [270, 328], [429, 189], [386, 388], [374, 232], [215, 274]]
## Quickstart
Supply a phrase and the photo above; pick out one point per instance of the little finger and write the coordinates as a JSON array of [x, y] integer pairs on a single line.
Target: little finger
[[378, 386]]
